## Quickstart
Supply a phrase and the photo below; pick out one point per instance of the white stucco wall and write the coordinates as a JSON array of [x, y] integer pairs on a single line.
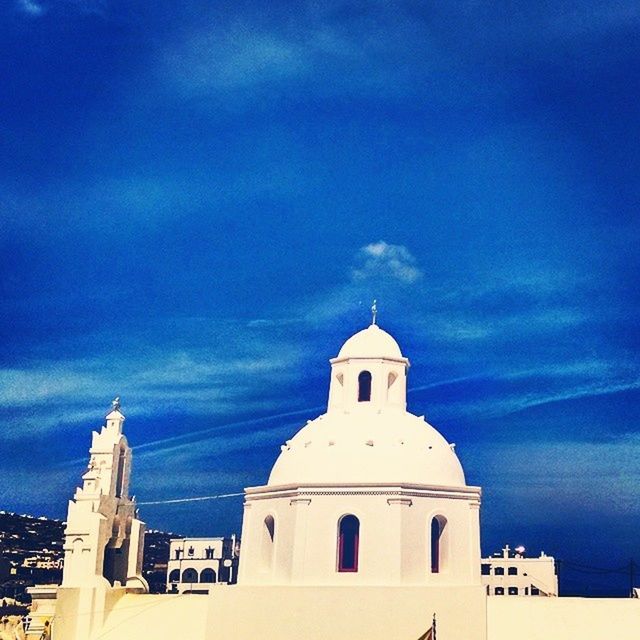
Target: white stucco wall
[[394, 539], [354, 613], [563, 618], [292, 613]]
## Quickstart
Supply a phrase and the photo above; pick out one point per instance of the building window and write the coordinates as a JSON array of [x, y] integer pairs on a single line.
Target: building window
[[178, 553], [437, 529], [535, 591], [174, 576], [191, 551], [513, 591], [513, 571], [208, 553], [189, 576], [348, 542], [499, 591], [268, 541], [499, 571], [485, 569], [364, 386], [208, 575]]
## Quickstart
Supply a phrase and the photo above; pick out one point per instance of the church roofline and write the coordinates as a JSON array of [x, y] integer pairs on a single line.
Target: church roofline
[[383, 488]]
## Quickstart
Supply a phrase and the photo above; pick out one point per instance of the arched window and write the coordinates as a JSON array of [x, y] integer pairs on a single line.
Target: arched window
[[189, 576], [348, 542], [437, 528], [208, 575], [174, 576], [364, 386], [268, 540]]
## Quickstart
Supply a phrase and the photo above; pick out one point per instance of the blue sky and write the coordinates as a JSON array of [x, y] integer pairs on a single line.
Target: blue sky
[[199, 201]]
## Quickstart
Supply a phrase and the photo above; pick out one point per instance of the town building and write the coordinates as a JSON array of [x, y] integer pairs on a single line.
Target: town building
[[511, 573], [196, 565]]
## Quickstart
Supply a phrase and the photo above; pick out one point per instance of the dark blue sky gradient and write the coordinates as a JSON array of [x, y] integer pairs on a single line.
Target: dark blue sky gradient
[[199, 201]]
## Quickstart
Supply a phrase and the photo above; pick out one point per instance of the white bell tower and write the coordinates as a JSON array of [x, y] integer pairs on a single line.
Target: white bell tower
[[104, 539]]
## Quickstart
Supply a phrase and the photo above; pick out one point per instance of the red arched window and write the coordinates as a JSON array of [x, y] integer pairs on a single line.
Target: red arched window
[[436, 534], [348, 540], [364, 386]]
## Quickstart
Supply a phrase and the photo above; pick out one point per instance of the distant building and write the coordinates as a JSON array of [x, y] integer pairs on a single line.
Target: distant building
[[509, 573], [43, 608], [42, 561], [196, 564]]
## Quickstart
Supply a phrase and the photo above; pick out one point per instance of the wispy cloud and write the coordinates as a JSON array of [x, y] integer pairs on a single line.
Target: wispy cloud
[[326, 48], [218, 368], [236, 57], [553, 481], [527, 400], [502, 390], [334, 48], [238, 372]]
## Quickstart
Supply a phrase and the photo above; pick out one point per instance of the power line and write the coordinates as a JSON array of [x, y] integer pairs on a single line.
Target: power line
[[198, 499]]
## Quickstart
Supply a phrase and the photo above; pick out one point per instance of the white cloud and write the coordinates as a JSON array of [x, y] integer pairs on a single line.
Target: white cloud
[[381, 259], [30, 7]]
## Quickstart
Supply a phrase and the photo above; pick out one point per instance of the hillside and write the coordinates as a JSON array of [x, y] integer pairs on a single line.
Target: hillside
[[31, 552]]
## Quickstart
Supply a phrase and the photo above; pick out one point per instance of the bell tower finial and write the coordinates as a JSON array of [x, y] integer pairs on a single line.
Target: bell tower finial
[[115, 404], [374, 312]]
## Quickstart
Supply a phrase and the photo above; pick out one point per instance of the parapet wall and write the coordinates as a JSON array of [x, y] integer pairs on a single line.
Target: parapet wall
[[533, 618]]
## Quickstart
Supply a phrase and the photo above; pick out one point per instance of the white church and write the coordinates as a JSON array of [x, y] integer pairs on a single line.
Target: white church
[[365, 528]]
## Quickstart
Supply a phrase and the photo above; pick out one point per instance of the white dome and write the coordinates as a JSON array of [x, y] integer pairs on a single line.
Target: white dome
[[368, 447], [372, 342]]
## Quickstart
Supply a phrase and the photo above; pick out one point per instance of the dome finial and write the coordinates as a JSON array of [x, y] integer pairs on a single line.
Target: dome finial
[[374, 312]]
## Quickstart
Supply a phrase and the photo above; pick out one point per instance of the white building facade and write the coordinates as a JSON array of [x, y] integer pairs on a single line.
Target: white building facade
[[196, 565], [510, 573], [366, 494]]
